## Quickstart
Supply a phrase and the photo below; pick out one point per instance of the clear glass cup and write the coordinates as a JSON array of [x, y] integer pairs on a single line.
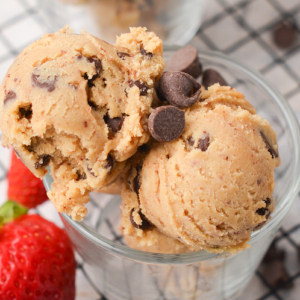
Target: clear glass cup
[[121, 273], [175, 21]]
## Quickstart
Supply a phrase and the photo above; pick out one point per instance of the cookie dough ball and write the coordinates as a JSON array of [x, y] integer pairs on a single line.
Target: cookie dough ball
[[213, 186], [81, 106], [135, 227]]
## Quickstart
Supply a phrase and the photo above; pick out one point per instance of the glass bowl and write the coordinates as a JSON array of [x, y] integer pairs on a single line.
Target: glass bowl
[[121, 273], [175, 21]]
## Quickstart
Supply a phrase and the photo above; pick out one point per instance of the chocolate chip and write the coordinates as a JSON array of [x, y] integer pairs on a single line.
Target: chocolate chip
[[284, 33], [145, 223], [9, 96], [142, 86], [49, 84], [42, 161], [114, 124], [268, 145], [262, 211], [191, 141], [258, 181], [109, 162], [136, 180], [203, 143], [267, 201], [166, 123], [211, 77], [259, 226], [148, 55], [186, 60], [90, 170], [98, 67], [273, 253], [25, 112], [79, 57], [123, 55], [179, 89], [80, 175], [97, 62], [93, 105], [85, 124], [276, 275]]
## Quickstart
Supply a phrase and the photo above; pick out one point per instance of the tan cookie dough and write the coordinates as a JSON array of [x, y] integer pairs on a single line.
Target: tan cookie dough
[[213, 186], [150, 240], [81, 106]]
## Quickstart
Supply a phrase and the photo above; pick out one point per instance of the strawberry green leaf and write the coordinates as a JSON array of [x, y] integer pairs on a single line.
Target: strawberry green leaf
[[10, 211]]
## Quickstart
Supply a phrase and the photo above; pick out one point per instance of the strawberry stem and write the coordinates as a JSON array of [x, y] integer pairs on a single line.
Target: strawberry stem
[[10, 211]]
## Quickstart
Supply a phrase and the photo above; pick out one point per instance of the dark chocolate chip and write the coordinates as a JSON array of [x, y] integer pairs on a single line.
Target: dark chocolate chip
[[186, 60], [93, 105], [9, 96], [80, 175], [49, 84], [191, 141], [276, 275], [211, 77], [267, 201], [262, 211], [145, 223], [166, 123], [148, 55], [25, 112], [268, 145], [284, 33], [98, 67], [123, 55], [109, 162], [258, 181], [42, 161], [179, 89], [136, 180], [28, 148], [142, 86], [260, 225], [85, 124], [90, 170], [97, 62], [79, 57], [273, 253], [203, 143], [114, 124]]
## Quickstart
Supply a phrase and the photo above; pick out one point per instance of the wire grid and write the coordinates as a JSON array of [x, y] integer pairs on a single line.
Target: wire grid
[[239, 28]]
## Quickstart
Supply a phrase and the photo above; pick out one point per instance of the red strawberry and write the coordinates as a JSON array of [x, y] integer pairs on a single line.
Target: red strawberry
[[23, 186], [36, 261]]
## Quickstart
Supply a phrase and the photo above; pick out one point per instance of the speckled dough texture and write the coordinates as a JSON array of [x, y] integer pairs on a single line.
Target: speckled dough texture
[[81, 106], [213, 186]]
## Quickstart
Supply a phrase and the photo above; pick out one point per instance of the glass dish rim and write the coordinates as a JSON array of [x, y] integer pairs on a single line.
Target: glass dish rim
[[193, 257]]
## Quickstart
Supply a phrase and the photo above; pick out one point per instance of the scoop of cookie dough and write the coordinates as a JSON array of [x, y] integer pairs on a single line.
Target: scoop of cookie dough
[[136, 229], [213, 186], [81, 106]]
